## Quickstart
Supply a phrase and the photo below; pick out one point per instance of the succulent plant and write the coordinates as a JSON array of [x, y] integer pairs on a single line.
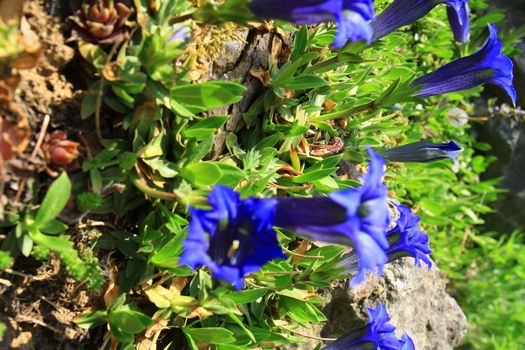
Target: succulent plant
[[103, 22], [58, 150]]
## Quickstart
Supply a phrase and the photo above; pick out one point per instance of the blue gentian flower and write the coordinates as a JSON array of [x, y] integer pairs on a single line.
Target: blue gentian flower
[[458, 13], [356, 217], [403, 12], [406, 239], [352, 16], [406, 342], [377, 334], [489, 65], [182, 35], [422, 152], [233, 238]]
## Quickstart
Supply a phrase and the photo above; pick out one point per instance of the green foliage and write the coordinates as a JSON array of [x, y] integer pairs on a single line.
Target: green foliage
[[40, 233], [167, 158], [492, 293], [6, 260]]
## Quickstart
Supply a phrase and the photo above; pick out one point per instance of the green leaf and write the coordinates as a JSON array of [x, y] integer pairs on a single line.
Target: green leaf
[[202, 174], [53, 227], [168, 255], [165, 168], [205, 96], [25, 244], [204, 128], [212, 173], [300, 311], [247, 296], [305, 82], [246, 330], [314, 175], [300, 43], [129, 320], [231, 175], [210, 335], [93, 54], [91, 319], [89, 104], [59, 244], [55, 200], [286, 73]]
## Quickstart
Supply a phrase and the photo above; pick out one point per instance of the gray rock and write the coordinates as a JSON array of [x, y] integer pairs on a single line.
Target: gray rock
[[416, 300], [235, 62]]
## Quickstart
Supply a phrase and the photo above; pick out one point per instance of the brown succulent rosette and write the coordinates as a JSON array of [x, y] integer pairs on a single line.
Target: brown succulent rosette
[[102, 22]]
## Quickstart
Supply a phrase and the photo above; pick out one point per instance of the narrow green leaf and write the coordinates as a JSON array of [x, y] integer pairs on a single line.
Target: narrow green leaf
[[247, 296], [55, 200], [305, 82], [202, 97], [91, 319], [210, 335]]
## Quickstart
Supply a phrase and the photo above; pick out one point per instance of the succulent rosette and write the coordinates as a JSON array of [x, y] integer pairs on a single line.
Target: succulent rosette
[[103, 22]]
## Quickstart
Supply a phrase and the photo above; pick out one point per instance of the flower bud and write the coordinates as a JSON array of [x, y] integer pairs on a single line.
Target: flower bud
[[59, 150]]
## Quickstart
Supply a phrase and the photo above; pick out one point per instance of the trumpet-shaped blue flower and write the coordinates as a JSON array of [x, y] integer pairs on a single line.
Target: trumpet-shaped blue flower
[[233, 238], [352, 16], [406, 239], [423, 152], [458, 13], [377, 334], [403, 12], [406, 342], [357, 217], [489, 65]]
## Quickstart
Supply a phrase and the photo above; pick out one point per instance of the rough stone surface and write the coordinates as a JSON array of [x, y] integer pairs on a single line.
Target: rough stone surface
[[416, 300], [235, 63]]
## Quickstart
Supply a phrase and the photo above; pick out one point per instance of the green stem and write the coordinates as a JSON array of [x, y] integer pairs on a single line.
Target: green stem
[[345, 112], [152, 192]]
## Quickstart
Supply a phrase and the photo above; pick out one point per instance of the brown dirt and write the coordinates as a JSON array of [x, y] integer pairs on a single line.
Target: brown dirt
[[38, 301], [44, 89], [39, 308]]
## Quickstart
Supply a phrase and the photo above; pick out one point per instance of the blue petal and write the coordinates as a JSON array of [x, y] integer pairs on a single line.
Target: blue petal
[[399, 14], [233, 238], [406, 342], [458, 16], [423, 151], [352, 16], [489, 65], [372, 258], [352, 27], [410, 240]]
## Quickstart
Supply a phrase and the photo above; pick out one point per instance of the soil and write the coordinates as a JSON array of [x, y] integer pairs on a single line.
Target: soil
[[38, 301]]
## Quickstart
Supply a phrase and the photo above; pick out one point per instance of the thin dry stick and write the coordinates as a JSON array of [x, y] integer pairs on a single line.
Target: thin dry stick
[[303, 256], [21, 274], [6, 283], [41, 136], [96, 224], [21, 318], [39, 141]]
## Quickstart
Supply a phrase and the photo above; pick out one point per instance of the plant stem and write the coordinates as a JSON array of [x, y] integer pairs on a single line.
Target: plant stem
[[152, 192], [345, 112]]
